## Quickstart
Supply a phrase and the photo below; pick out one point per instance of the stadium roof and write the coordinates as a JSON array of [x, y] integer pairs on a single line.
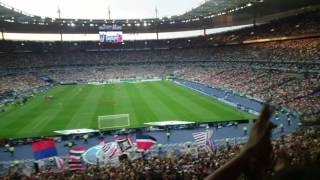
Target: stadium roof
[[8, 12], [99, 8], [215, 6], [209, 14]]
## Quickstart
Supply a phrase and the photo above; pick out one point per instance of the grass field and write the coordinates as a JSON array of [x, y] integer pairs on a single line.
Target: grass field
[[77, 106]]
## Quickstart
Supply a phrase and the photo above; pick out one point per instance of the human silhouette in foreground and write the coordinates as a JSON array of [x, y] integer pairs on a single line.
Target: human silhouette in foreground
[[255, 159]]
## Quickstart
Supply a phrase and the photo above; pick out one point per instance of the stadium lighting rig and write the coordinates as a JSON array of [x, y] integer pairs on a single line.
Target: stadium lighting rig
[[137, 23]]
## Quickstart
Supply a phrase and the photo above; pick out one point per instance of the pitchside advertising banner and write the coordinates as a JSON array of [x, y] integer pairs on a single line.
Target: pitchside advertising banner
[[111, 33]]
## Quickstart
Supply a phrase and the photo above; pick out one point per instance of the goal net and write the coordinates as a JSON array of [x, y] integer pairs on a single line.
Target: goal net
[[113, 121]]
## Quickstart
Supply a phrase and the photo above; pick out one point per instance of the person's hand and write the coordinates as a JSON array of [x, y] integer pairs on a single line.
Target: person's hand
[[258, 148], [256, 155], [261, 131]]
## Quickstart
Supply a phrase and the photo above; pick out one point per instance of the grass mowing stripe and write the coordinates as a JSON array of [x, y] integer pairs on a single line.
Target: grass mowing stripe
[[31, 120], [140, 110], [84, 114], [204, 102], [104, 92], [147, 104], [186, 104], [182, 112], [125, 103], [122, 105], [58, 112], [118, 103], [162, 111], [105, 101], [39, 122], [19, 113], [70, 106], [187, 99], [221, 108]]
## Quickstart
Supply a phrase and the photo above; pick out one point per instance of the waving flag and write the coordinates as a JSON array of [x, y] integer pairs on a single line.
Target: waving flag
[[44, 149], [103, 142], [59, 162], [111, 150], [124, 143], [75, 158], [105, 147], [204, 139], [145, 142], [210, 140], [200, 138]]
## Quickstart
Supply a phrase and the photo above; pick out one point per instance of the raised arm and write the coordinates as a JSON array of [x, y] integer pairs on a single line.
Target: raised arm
[[255, 156]]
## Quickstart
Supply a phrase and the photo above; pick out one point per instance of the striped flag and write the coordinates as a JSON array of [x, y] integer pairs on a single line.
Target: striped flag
[[210, 140], [205, 139], [200, 138], [75, 158], [59, 162], [115, 152], [105, 147], [110, 150]]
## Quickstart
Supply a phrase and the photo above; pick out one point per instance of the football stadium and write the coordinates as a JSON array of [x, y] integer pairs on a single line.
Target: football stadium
[[159, 89]]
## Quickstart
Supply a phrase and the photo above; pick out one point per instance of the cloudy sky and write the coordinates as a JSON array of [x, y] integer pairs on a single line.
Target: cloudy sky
[[98, 9]]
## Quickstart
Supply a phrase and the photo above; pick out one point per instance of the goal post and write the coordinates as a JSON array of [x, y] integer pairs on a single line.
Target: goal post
[[113, 121]]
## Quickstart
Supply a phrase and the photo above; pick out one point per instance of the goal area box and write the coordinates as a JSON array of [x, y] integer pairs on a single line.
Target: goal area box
[[114, 121]]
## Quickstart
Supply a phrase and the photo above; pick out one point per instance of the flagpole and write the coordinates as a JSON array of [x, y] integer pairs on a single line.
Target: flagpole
[[157, 14], [59, 16], [109, 13]]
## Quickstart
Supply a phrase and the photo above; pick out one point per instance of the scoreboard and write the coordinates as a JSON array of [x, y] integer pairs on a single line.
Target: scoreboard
[[111, 33]]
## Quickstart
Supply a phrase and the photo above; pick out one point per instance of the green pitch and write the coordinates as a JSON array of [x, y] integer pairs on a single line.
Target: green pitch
[[78, 106]]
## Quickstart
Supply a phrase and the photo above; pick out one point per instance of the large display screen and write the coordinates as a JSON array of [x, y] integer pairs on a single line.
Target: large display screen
[[111, 34]]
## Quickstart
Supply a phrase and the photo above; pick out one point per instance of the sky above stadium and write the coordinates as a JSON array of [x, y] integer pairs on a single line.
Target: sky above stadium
[[98, 9]]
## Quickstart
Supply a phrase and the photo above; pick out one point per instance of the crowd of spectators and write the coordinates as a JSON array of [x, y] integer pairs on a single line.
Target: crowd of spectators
[[19, 82], [299, 24], [104, 73], [299, 92], [290, 51], [294, 149]]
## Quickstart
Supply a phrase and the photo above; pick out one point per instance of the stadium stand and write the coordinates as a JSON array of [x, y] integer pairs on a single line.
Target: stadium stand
[[276, 62]]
